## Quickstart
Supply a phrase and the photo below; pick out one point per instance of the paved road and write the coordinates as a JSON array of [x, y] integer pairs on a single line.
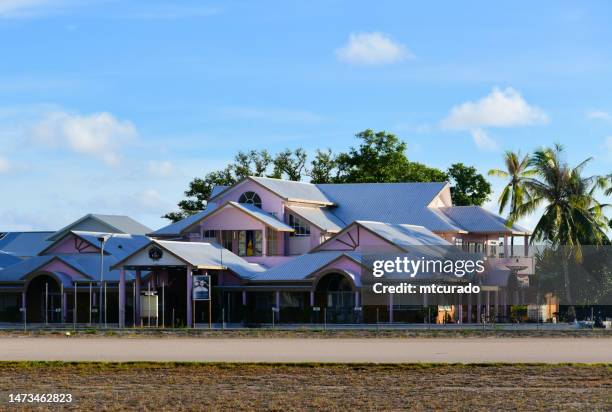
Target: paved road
[[463, 350]]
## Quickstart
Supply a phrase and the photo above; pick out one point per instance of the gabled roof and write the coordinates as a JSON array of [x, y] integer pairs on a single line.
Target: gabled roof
[[218, 189], [289, 190], [7, 260], [299, 267], [405, 236], [24, 244], [201, 255], [117, 244], [321, 217], [114, 223], [178, 228], [389, 202], [475, 219]]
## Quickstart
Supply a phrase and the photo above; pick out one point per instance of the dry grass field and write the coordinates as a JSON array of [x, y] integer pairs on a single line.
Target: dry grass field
[[283, 387]]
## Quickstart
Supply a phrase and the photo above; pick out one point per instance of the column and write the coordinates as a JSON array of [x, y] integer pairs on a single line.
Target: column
[[138, 281], [189, 296], [244, 294], [64, 305], [357, 303], [459, 309], [469, 309], [277, 299], [478, 309], [526, 251], [488, 308], [122, 298], [506, 246], [496, 312], [390, 308], [23, 305], [312, 298]]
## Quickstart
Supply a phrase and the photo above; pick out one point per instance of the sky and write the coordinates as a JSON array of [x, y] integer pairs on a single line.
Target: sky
[[113, 107]]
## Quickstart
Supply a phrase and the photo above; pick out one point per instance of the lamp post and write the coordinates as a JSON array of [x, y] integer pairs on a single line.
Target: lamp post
[[103, 240]]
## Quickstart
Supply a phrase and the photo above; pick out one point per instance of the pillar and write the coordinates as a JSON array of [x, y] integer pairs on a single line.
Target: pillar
[[478, 309], [526, 251], [506, 246], [189, 296], [23, 306], [122, 298], [137, 297], [312, 298], [244, 294], [390, 308], [277, 299], [357, 303], [469, 309], [64, 305], [496, 312], [488, 307]]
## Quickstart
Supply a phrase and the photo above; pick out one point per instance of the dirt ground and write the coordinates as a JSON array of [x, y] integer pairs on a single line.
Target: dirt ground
[[167, 386]]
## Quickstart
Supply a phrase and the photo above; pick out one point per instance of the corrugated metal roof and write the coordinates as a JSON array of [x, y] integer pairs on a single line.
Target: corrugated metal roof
[[115, 223], [475, 219], [210, 254], [176, 228], [299, 267], [404, 203], [321, 217], [294, 190], [405, 235], [217, 189], [7, 260], [24, 244], [118, 244]]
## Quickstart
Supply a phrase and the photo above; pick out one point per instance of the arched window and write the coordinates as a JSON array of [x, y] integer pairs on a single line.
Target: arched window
[[251, 198]]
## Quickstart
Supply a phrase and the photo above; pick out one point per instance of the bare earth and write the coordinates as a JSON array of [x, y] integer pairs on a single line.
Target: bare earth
[[307, 387], [469, 350]]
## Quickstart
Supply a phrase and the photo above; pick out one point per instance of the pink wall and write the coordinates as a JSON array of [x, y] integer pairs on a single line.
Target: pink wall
[[67, 246], [341, 264], [269, 201], [367, 242], [59, 266], [231, 218]]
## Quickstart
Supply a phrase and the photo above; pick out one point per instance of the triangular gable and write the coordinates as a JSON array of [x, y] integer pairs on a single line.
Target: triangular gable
[[356, 237], [56, 264], [146, 257], [71, 243]]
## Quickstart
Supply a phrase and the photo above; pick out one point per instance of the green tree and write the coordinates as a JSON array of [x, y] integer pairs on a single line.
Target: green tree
[[323, 167], [572, 215], [468, 186], [514, 193], [379, 158], [290, 164]]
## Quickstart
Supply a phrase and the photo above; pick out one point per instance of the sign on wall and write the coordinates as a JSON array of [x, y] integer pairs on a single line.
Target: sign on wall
[[201, 287]]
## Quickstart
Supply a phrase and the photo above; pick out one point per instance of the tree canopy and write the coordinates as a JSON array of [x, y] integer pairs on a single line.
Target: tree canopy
[[380, 157]]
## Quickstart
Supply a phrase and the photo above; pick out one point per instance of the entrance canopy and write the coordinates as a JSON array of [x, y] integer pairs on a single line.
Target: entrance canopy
[[198, 255]]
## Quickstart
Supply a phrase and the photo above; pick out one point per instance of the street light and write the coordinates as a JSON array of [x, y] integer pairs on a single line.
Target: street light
[[103, 239]]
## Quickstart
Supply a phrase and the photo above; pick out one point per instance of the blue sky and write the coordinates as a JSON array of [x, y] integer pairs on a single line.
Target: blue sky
[[112, 107]]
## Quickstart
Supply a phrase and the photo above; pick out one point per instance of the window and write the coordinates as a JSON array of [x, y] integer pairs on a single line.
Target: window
[[250, 198], [272, 242], [210, 234], [249, 243], [300, 227]]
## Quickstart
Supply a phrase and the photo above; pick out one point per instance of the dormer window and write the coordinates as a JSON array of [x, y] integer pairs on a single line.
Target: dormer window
[[250, 198]]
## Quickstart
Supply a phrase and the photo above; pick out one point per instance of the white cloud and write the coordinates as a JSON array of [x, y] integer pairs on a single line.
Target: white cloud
[[372, 49], [98, 135], [5, 165], [161, 168], [483, 140], [600, 115], [500, 108], [24, 8]]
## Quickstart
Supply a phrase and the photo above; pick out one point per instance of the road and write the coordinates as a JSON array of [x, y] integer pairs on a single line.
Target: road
[[461, 350]]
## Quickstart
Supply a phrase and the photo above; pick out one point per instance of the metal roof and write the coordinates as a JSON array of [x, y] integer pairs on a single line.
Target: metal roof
[[300, 267], [24, 244], [218, 189], [201, 254], [118, 244], [475, 219], [404, 203], [176, 228], [115, 223], [321, 217], [405, 235], [291, 190], [7, 260]]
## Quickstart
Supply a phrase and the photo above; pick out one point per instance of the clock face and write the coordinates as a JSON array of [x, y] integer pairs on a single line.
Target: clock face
[[155, 253]]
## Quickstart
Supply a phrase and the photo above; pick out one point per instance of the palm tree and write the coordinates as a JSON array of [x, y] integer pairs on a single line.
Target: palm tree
[[572, 215], [514, 193]]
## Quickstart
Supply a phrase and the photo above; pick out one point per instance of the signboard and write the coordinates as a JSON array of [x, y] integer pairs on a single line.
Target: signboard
[[201, 287], [316, 309]]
